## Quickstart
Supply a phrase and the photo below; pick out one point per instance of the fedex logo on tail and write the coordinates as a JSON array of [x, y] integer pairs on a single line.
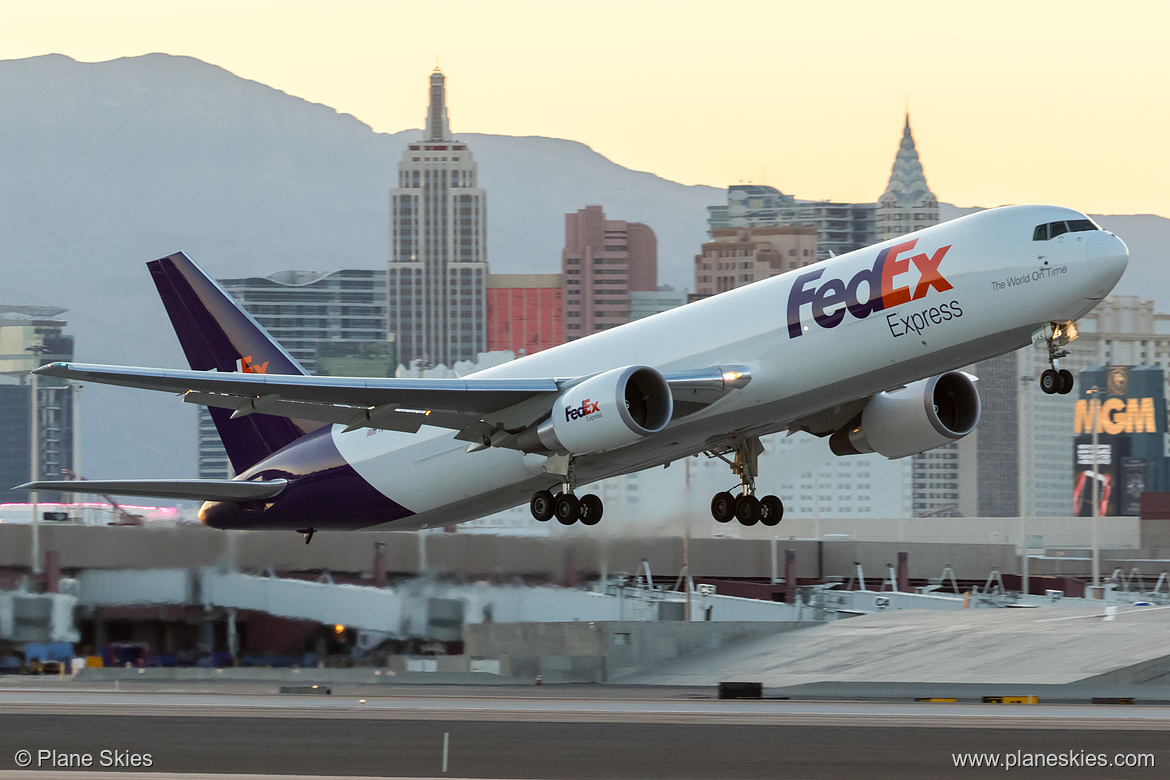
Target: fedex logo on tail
[[886, 286], [245, 365], [586, 408]]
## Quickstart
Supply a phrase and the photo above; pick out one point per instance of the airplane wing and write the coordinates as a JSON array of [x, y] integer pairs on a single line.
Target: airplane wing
[[475, 407], [186, 489]]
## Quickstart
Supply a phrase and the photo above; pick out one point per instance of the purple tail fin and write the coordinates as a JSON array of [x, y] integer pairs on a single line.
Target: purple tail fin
[[218, 335]]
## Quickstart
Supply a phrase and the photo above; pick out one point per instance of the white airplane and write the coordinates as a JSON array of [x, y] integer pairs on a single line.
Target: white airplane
[[862, 348]]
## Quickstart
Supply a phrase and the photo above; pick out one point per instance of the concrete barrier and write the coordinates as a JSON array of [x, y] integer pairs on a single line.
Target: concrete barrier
[[603, 651]]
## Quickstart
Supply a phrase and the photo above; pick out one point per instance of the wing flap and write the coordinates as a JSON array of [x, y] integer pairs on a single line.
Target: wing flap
[[185, 489]]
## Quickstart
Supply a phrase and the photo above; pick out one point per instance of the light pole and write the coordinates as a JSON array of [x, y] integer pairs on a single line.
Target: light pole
[[75, 396], [34, 455], [1095, 404], [1022, 433]]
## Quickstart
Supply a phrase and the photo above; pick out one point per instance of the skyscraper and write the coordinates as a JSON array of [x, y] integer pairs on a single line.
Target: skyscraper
[[31, 336], [438, 246], [907, 204], [940, 488], [603, 261]]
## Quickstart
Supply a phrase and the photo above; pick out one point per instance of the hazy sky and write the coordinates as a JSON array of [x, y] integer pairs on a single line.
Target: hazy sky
[[1060, 102]]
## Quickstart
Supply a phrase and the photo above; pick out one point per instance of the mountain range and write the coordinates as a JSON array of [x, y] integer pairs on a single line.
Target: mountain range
[[106, 165]]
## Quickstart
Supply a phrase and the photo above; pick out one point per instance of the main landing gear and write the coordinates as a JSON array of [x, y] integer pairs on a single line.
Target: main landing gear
[[565, 506], [1057, 380], [745, 507]]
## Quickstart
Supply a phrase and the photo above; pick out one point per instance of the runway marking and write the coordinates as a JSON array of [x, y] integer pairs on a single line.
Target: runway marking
[[857, 714]]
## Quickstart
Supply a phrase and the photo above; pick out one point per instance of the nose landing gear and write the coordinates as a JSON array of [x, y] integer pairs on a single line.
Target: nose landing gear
[[1060, 382], [1056, 336], [746, 508]]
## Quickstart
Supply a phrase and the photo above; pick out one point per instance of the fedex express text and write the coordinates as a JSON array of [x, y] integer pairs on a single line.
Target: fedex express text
[[886, 286]]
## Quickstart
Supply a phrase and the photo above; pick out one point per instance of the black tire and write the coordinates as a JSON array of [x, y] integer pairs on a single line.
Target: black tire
[[747, 510], [723, 507], [591, 509], [1066, 381], [567, 509], [1049, 381], [542, 505], [772, 510]]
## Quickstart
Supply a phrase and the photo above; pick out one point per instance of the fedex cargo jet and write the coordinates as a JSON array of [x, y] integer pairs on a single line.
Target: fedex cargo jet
[[862, 348]]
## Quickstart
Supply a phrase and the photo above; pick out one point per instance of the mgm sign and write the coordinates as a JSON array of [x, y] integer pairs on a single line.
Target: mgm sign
[[1128, 407]]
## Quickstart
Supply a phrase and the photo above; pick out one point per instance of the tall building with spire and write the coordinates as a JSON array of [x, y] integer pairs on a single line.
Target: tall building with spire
[[940, 488], [438, 246], [907, 204]]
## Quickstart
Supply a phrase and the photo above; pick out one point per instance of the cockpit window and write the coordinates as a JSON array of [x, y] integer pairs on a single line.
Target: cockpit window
[[1054, 229]]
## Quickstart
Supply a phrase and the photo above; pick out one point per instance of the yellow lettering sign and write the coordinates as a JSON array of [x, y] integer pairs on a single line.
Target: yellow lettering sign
[[1106, 419], [1083, 419], [1114, 416], [1141, 415]]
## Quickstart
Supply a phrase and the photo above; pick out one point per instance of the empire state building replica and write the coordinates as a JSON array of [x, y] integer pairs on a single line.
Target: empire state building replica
[[438, 246]]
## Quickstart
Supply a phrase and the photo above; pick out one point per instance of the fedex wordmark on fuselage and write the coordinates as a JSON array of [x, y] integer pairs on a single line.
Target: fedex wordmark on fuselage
[[889, 283]]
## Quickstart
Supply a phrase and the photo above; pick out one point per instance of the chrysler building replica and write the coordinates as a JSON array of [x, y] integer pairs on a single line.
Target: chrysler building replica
[[438, 246], [907, 204]]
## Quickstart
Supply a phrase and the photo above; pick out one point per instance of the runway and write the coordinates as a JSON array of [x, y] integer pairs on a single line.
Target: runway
[[577, 732]]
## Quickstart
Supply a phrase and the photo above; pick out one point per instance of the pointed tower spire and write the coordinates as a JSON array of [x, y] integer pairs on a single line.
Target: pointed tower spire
[[438, 126], [907, 203], [907, 179]]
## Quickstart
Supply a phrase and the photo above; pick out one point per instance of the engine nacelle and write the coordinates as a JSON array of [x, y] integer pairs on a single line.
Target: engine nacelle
[[918, 417], [604, 412]]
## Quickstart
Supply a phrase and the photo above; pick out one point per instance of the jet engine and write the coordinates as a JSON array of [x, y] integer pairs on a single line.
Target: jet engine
[[604, 412], [912, 419]]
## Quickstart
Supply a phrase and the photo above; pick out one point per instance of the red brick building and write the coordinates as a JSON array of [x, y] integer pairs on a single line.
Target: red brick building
[[524, 312]]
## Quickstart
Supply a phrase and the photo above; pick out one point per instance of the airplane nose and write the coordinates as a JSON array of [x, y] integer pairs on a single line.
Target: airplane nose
[[1108, 257]]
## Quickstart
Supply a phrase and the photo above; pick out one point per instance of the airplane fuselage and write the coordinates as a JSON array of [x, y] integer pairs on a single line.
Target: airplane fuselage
[[815, 337]]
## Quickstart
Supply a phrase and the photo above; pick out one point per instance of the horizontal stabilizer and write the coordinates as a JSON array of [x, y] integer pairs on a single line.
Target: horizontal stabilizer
[[185, 489]]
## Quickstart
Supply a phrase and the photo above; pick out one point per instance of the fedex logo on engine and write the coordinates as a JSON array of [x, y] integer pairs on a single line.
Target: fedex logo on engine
[[586, 408], [885, 287]]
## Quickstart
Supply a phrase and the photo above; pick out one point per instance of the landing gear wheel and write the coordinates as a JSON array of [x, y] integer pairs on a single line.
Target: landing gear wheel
[[772, 510], [591, 509], [1050, 381], [747, 510], [567, 508], [542, 505], [723, 507], [1066, 381]]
